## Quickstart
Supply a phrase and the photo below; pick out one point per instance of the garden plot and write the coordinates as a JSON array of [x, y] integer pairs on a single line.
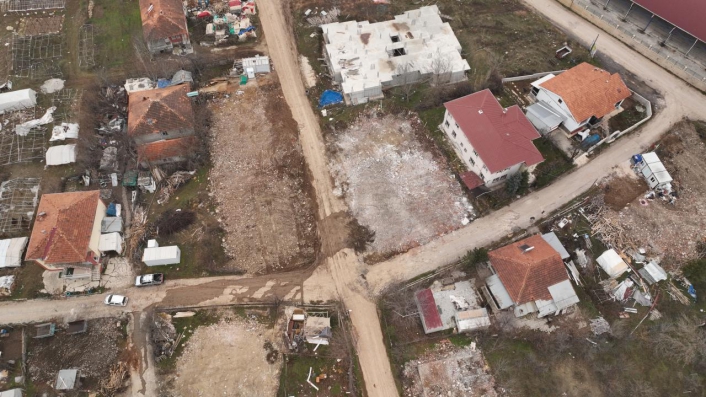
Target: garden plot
[[396, 183]]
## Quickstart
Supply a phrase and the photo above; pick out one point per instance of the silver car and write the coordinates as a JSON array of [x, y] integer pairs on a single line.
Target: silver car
[[115, 300]]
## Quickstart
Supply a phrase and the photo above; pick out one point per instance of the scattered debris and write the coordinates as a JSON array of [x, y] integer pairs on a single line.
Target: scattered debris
[[600, 326], [52, 85]]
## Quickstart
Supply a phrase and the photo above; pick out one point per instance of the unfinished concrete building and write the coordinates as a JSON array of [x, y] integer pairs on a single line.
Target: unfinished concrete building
[[367, 58]]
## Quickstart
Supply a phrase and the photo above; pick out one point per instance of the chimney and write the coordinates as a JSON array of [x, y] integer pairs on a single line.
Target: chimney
[[480, 111], [504, 110]]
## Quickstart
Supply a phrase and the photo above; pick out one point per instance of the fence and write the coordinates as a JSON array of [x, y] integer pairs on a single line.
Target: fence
[[617, 134], [530, 76], [692, 74]]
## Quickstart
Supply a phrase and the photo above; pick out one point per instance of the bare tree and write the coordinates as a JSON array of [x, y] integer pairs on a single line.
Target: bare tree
[[683, 341], [408, 78], [440, 68]]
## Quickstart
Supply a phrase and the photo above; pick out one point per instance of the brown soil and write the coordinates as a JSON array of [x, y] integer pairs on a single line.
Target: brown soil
[[260, 181], [621, 191], [93, 352]]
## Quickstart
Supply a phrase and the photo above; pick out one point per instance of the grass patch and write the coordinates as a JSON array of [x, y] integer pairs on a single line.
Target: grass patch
[[116, 23], [625, 119], [554, 165], [28, 282]]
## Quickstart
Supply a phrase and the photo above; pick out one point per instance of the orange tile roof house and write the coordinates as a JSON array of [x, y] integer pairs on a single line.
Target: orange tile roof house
[[580, 96], [164, 24], [494, 142], [158, 117], [529, 276], [66, 232]]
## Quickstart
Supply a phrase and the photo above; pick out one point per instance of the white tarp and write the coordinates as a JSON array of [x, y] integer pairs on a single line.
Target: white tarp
[[621, 293], [170, 255], [110, 242], [18, 100], [139, 84], [612, 263], [11, 251], [52, 85], [24, 128], [64, 131], [63, 154]]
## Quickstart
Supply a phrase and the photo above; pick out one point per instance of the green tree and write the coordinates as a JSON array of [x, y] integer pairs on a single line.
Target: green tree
[[517, 183]]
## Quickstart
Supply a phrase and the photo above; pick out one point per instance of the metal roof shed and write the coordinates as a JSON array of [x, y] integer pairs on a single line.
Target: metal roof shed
[[563, 295], [653, 171], [67, 379], [161, 256], [428, 311], [653, 273], [555, 243], [112, 224], [500, 294], [17, 392], [612, 263], [472, 319], [62, 154], [259, 64], [543, 118], [110, 242], [18, 100], [11, 251]]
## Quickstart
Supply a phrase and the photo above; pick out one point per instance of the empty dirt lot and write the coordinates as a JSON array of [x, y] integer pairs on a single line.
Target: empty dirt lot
[[260, 181], [229, 358], [395, 182], [673, 230]]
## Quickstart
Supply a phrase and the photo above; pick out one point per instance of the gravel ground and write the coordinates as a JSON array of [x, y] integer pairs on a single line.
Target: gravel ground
[[259, 181], [394, 185]]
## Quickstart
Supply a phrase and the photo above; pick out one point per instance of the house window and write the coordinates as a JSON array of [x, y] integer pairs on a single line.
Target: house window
[[395, 38], [397, 52], [482, 176], [165, 133], [453, 134], [485, 168], [535, 91], [475, 153], [560, 101], [471, 160], [503, 177], [446, 123], [457, 125], [617, 105], [465, 150], [461, 144]]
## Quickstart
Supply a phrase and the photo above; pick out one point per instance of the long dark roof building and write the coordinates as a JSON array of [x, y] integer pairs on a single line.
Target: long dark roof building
[[687, 15]]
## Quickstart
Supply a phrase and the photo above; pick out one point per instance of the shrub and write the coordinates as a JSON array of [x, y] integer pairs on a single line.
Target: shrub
[[517, 183]]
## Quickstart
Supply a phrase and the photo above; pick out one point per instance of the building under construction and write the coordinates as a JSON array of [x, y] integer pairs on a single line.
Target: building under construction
[[367, 58]]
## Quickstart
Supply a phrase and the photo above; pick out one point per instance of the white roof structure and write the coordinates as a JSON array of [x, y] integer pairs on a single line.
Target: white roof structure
[[563, 294], [499, 292], [554, 242], [259, 64], [156, 256], [139, 84], [653, 273], [11, 251], [653, 170], [472, 319], [18, 100], [110, 242], [111, 224], [612, 263], [362, 55], [17, 392], [66, 379], [62, 154]]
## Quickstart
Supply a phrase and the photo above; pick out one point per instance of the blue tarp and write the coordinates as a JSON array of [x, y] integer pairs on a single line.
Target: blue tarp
[[330, 98], [162, 83], [111, 210], [248, 29], [591, 140], [636, 158]]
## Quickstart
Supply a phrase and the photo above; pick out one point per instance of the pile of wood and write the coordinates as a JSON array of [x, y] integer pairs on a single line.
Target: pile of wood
[[172, 183], [613, 233], [115, 381], [137, 232]]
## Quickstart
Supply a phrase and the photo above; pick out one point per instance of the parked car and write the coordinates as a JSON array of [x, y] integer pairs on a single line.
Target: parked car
[[149, 279], [115, 300]]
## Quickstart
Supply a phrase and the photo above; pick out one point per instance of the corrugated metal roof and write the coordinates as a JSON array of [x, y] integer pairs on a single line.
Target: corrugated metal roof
[[563, 294], [431, 320], [542, 117], [688, 15], [653, 273], [499, 292], [472, 319], [66, 380]]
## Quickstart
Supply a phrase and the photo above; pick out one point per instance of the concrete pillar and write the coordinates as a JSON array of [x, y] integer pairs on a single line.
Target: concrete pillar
[[669, 36], [692, 46], [629, 9], [648, 23]]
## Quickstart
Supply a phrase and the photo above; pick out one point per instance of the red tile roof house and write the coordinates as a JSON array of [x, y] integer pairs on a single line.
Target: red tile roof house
[[66, 233], [494, 142], [580, 96], [529, 276], [164, 25], [161, 122]]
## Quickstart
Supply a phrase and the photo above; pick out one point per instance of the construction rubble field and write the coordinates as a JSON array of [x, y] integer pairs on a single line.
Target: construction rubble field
[[100, 354], [260, 181], [669, 230], [396, 182], [240, 350]]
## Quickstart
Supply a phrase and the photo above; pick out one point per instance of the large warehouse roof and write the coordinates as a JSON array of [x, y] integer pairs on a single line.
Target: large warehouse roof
[[688, 15]]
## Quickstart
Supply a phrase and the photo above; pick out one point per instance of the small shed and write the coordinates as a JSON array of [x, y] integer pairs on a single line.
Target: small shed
[[612, 263], [653, 171], [18, 100], [16, 392], [112, 224], [77, 327], [11, 251], [259, 64], [653, 273], [552, 239], [543, 118], [470, 320], [62, 154], [67, 379], [156, 256], [110, 242], [500, 298]]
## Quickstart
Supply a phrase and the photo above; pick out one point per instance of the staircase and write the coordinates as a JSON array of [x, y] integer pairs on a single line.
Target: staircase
[[96, 273]]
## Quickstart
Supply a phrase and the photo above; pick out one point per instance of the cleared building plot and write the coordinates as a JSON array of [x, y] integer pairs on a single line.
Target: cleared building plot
[[18, 201], [394, 184]]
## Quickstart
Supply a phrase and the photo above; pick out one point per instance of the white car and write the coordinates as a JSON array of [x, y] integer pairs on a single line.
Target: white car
[[115, 300]]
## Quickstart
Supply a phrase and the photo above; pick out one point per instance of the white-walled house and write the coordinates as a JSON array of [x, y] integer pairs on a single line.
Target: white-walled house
[[494, 142], [578, 97]]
